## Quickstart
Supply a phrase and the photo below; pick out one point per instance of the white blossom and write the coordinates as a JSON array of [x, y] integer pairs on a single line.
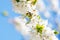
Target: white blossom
[[35, 27], [20, 25], [22, 7]]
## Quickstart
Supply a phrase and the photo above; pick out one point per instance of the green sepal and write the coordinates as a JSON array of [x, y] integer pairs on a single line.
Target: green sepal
[[39, 28], [17, 0], [34, 2], [56, 32], [38, 16]]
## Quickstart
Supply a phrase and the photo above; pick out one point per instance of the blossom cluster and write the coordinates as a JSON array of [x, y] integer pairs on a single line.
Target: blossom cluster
[[30, 22]]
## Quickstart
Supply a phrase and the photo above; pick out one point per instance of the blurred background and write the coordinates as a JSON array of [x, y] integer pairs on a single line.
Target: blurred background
[[7, 30]]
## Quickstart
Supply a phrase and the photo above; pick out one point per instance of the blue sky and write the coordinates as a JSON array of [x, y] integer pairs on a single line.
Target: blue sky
[[7, 30]]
